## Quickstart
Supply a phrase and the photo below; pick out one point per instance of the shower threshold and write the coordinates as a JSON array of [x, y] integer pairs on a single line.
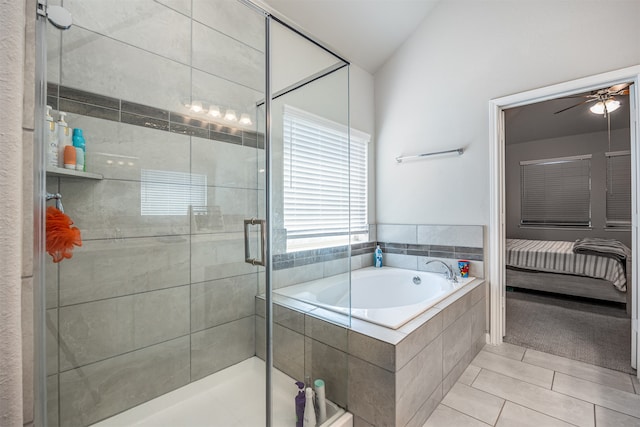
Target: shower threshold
[[231, 397]]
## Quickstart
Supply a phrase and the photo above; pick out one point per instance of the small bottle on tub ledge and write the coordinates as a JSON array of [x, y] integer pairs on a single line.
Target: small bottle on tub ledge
[[377, 257]]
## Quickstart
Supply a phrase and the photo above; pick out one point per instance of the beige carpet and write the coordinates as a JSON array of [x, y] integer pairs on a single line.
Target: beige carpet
[[579, 330]]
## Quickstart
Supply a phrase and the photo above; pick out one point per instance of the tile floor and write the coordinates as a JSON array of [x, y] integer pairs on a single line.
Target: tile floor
[[508, 385]]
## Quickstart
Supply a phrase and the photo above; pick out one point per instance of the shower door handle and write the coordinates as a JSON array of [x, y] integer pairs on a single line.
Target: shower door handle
[[247, 248]]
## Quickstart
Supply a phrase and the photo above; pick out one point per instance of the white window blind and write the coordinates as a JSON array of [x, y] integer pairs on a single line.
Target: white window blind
[[556, 192], [618, 189], [325, 177], [171, 193]]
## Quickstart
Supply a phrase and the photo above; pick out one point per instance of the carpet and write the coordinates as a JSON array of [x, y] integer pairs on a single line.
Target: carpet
[[576, 329]]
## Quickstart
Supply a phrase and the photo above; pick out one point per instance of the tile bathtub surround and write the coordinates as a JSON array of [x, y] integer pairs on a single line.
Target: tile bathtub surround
[[510, 385], [314, 256], [393, 377]]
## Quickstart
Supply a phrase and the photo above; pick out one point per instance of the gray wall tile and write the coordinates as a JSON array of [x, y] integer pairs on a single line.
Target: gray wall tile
[[330, 365], [238, 294], [456, 342], [232, 18], [216, 256], [222, 346], [395, 233], [418, 340], [97, 330], [375, 408], [166, 32], [326, 332], [99, 390], [106, 66], [374, 351], [417, 380], [224, 164], [288, 351], [52, 401], [451, 235], [52, 341], [231, 59], [109, 268]]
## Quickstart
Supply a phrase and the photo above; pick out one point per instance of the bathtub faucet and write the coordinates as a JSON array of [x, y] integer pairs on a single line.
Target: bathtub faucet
[[449, 274]]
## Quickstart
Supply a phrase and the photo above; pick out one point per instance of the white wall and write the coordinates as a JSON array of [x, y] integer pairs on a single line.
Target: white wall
[[433, 94]]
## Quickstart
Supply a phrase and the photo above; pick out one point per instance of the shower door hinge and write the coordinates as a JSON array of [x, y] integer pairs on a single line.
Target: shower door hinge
[[41, 8]]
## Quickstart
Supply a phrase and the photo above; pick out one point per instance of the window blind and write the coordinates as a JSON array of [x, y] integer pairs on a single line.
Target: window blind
[[556, 192], [325, 176], [171, 193], [618, 189]]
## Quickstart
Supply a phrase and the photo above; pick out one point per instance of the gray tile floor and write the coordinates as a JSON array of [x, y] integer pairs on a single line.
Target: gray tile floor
[[508, 385]]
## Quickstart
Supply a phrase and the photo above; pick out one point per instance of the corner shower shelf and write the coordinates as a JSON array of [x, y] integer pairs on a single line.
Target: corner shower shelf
[[70, 173]]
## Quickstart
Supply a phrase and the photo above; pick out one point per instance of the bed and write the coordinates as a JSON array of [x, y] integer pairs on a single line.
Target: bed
[[600, 270]]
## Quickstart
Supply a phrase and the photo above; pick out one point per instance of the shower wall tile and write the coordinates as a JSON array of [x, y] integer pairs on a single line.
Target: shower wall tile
[[138, 148], [222, 346], [288, 351], [112, 209], [220, 301], [225, 210], [232, 18], [292, 276], [330, 365], [161, 30], [224, 164], [401, 261], [214, 90], [231, 59], [374, 351], [102, 389], [109, 268], [182, 6], [216, 256], [51, 333], [105, 66], [397, 233], [97, 330], [451, 235], [51, 282], [417, 380]]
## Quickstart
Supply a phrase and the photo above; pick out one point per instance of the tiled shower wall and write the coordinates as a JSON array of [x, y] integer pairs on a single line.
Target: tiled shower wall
[[151, 302]]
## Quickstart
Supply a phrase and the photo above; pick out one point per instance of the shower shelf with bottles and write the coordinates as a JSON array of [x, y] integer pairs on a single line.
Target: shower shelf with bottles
[[69, 173]]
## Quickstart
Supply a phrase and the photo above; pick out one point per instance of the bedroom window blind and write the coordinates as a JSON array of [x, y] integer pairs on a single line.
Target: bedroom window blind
[[325, 177], [556, 192], [618, 189]]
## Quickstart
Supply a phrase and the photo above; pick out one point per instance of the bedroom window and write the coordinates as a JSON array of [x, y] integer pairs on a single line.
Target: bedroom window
[[618, 189], [556, 192], [325, 172]]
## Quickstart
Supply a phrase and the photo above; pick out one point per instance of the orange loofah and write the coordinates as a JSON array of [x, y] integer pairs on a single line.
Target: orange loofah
[[61, 236]]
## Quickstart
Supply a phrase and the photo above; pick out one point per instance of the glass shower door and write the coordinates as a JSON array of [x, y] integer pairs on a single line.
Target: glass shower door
[[159, 295]]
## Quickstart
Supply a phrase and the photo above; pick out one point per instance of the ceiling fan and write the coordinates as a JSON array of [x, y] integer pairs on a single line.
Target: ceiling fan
[[603, 98]]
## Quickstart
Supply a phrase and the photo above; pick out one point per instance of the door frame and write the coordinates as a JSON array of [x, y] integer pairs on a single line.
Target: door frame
[[497, 232]]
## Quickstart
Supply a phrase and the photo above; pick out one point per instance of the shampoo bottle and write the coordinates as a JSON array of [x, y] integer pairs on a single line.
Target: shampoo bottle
[[309, 419], [378, 257], [51, 135], [64, 137], [322, 403], [79, 142], [300, 401]]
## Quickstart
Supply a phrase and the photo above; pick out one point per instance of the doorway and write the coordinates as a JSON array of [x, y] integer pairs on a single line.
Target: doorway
[[497, 228]]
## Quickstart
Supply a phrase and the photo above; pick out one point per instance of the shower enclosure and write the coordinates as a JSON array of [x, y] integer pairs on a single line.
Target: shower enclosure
[[198, 199]]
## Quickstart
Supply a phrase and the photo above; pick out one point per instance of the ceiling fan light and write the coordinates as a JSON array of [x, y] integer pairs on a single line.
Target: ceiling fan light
[[612, 105], [598, 108]]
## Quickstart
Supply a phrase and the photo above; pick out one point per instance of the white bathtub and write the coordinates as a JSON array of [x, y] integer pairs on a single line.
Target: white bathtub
[[386, 296]]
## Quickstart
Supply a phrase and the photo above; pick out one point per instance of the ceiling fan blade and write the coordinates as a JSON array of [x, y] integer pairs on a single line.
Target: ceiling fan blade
[[576, 105], [619, 87]]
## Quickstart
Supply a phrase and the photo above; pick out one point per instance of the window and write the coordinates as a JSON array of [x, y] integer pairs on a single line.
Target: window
[[556, 192], [325, 181], [618, 189], [171, 193]]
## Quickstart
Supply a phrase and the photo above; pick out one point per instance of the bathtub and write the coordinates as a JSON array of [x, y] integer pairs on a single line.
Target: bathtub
[[386, 296]]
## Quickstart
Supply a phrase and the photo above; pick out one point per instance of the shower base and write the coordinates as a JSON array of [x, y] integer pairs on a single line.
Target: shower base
[[231, 397]]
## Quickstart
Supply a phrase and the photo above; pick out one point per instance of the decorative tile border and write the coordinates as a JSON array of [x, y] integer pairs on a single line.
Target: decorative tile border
[[436, 251], [70, 100], [313, 256]]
